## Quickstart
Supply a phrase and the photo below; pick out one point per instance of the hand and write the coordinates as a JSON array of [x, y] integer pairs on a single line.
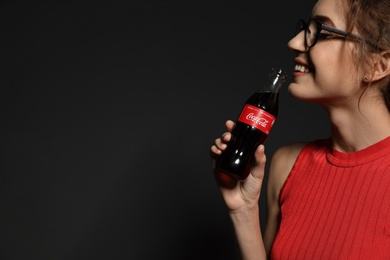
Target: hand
[[239, 196]]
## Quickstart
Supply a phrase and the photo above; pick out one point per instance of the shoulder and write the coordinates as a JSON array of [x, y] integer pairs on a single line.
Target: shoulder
[[286, 155], [282, 161]]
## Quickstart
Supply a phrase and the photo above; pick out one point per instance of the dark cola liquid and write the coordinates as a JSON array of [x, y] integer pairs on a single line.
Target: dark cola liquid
[[236, 160]]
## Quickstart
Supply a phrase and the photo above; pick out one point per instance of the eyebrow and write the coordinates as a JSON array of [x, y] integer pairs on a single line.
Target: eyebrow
[[324, 19]]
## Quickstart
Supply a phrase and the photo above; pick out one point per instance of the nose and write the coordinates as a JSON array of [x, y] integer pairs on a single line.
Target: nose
[[297, 43]]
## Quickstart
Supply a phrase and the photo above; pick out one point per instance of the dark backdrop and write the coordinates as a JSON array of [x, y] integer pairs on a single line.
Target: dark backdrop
[[108, 112]]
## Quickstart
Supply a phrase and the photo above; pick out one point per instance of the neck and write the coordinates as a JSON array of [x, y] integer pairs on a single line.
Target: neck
[[356, 128]]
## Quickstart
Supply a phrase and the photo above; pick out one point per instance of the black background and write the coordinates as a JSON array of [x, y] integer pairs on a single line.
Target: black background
[[108, 111]]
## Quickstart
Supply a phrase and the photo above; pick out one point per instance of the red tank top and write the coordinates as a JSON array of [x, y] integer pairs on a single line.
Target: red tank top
[[336, 205]]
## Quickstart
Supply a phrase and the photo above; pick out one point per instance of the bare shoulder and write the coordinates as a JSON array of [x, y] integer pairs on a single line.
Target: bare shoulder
[[281, 164], [286, 155]]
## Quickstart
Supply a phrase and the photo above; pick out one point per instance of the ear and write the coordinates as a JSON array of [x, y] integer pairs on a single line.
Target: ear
[[381, 68]]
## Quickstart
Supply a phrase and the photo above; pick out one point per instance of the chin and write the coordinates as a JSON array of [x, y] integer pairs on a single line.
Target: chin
[[299, 93], [293, 90]]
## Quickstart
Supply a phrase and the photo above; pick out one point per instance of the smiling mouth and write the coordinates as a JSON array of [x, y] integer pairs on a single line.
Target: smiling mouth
[[301, 68]]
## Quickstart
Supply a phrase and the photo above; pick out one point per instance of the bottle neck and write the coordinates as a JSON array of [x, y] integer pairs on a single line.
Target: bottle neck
[[274, 82]]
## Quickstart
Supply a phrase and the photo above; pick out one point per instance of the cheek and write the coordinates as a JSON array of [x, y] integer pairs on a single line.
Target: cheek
[[334, 67]]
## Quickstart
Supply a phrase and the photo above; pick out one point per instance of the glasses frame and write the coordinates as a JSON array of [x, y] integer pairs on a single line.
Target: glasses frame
[[302, 25]]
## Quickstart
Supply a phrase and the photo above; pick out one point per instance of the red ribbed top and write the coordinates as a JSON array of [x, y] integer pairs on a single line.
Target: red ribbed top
[[336, 205]]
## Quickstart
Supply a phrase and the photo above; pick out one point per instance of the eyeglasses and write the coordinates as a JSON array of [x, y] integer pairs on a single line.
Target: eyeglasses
[[314, 31]]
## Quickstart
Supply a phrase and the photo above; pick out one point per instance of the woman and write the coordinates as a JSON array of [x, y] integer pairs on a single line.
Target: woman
[[327, 199]]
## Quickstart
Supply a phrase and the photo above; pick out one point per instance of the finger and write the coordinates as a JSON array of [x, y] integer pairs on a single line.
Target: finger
[[229, 125], [220, 144], [226, 137], [215, 150]]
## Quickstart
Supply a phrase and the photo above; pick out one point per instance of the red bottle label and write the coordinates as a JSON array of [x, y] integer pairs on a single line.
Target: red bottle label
[[257, 118]]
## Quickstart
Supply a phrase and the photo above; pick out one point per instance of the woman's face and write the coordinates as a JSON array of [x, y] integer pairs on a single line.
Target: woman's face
[[326, 74]]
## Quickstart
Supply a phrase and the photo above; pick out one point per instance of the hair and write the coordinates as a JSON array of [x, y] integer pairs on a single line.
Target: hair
[[371, 19]]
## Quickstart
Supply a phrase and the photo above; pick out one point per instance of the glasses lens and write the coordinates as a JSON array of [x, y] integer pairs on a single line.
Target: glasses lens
[[311, 33]]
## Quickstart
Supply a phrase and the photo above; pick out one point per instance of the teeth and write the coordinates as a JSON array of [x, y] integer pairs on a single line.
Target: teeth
[[301, 68]]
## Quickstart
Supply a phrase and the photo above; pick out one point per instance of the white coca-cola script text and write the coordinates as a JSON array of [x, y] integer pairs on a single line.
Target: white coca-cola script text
[[257, 120]]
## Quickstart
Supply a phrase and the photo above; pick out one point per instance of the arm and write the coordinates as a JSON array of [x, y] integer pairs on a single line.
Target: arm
[[241, 199], [246, 219]]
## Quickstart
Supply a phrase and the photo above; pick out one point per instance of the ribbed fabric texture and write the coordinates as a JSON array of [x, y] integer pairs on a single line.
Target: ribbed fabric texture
[[336, 205]]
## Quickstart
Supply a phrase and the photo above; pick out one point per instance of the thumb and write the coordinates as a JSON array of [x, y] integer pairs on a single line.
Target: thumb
[[259, 164]]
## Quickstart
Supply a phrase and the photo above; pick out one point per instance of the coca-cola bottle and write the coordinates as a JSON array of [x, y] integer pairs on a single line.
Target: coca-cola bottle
[[252, 127]]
